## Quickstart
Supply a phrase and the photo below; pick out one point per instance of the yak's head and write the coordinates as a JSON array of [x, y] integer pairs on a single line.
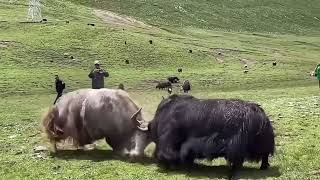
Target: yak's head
[[53, 132], [143, 135]]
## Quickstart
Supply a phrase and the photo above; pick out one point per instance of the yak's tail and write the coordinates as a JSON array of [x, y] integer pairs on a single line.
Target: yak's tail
[[48, 124]]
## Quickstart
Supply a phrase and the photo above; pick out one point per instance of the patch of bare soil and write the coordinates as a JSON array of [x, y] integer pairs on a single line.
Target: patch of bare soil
[[316, 173], [120, 20], [247, 62], [6, 44]]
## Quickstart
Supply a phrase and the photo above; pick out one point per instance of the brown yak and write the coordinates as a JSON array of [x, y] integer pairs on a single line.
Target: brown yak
[[87, 115]]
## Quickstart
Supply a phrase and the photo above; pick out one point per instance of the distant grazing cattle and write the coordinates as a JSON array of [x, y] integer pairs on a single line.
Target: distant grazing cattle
[[186, 128], [186, 87], [125, 42], [274, 63], [67, 22], [163, 85], [91, 24], [245, 66], [90, 114], [150, 41], [190, 51], [180, 70], [127, 61], [173, 79], [44, 20], [121, 86], [245, 71]]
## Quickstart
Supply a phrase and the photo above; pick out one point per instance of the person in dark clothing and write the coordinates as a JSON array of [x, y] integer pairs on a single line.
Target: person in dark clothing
[[97, 75], [60, 86]]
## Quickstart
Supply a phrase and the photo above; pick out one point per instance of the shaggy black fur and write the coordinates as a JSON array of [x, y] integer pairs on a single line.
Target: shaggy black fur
[[163, 85], [173, 79], [185, 128]]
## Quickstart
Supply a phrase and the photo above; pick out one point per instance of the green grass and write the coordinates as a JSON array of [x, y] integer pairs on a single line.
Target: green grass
[[282, 16], [243, 31]]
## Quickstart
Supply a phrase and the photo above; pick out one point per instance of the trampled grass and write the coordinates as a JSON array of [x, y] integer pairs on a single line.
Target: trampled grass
[[30, 55]]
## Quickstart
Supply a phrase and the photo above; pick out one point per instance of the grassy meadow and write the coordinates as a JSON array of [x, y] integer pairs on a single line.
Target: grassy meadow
[[223, 36]]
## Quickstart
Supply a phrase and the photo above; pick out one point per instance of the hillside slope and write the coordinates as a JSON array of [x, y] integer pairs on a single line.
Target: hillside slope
[[280, 16], [35, 52]]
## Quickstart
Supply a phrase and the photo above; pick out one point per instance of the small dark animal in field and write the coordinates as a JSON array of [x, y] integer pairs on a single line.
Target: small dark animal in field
[[186, 86], [219, 53], [173, 79], [150, 41], [185, 128], [163, 85], [190, 51], [180, 70], [67, 22], [121, 86], [71, 57], [169, 90], [125, 42], [274, 63], [245, 71], [91, 24], [245, 66], [127, 62], [44, 20]]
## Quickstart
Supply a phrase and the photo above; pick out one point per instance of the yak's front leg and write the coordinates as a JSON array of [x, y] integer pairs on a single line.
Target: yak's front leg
[[169, 149]]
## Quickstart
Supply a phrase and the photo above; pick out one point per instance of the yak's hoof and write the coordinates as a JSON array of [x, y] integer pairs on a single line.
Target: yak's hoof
[[264, 166]]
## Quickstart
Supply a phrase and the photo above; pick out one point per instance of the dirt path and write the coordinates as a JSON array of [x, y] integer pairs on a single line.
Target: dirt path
[[120, 20]]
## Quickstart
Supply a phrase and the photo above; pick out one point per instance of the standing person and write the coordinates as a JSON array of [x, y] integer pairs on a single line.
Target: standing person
[[97, 75], [60, 86], [317, 73]]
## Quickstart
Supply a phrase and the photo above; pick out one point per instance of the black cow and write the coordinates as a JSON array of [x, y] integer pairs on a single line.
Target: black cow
[[185, 128], [173, 79], [163, 85]]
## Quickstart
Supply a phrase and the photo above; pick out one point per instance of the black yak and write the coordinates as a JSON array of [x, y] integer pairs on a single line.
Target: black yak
[[274, 63], [163, 85], [173, 79], [180, 70], [186, 128], [186, 86]]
